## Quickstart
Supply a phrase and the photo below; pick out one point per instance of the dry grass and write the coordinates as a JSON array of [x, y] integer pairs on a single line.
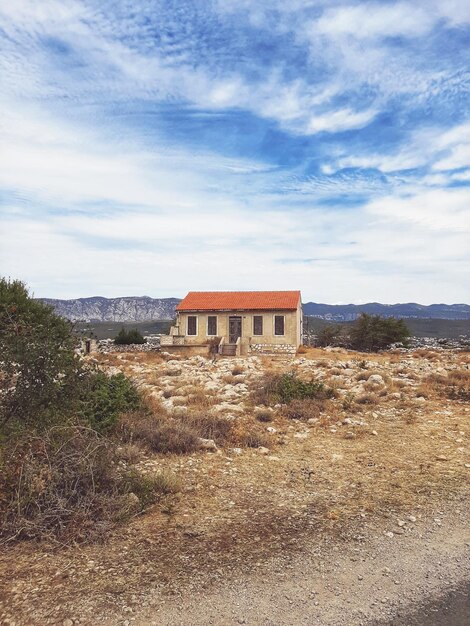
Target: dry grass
[[210, 426], [157, 434], [171, 371], [305, 409], [200, 399], [366, 398], [426, 353], [264, 415], [455, 386], [131, 453], [251, 438], [65, 484]]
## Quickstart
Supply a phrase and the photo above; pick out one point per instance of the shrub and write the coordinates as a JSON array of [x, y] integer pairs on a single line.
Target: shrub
[[237, 370], [287, 387], [40, 372], [348, 401], [252, 439], [158, 434], [330, 335], [129, 337], [104, 397], [366, 398], [65, 484], [304, 409], [146, 487], [264, 416], [200, 398], [130, 453], [371, 333], [210, 426]]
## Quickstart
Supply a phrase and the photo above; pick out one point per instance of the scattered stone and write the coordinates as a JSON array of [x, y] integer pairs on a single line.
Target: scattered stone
[[208, 444]]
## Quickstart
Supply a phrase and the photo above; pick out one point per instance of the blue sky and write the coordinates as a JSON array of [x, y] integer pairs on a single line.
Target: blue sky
[[154, 147]]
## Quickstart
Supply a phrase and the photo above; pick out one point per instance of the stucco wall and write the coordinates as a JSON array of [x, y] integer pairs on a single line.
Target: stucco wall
[[292, 330]]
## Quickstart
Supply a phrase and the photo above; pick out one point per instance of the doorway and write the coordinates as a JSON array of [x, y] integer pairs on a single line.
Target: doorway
[[234, 328]]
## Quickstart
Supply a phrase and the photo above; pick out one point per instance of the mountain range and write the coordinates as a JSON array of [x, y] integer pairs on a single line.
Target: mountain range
[[144, 308]]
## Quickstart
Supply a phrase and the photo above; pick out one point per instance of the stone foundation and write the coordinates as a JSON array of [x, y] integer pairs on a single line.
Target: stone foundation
[[273, 348]]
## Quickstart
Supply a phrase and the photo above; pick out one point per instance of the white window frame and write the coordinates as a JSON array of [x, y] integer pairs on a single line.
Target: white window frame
[[216, 326], [197, 326], [283, 325], [262, 326]]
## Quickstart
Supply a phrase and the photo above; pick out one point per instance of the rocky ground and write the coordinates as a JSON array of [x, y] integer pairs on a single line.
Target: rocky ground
[[343, 518]]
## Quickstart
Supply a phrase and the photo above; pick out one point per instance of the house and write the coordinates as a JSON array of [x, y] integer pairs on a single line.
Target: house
[[239, 322]]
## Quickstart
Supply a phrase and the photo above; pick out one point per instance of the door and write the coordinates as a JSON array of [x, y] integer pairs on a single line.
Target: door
[[234, 328]]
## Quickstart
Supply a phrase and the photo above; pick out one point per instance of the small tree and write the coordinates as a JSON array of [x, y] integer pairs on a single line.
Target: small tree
[[128, 337], [371, 333], [330, 335], [39, 370]]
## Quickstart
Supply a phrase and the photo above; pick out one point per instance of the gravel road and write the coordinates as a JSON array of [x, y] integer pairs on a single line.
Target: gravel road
[[380, 578]]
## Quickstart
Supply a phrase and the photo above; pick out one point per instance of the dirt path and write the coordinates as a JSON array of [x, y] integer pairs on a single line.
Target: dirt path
[[377, 578]]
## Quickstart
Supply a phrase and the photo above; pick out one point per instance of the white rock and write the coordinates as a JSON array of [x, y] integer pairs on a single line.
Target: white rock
[[208, 444]]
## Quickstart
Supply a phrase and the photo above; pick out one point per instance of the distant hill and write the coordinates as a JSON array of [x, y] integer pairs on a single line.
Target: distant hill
[[128, 309], [144, 309], [349, 312]]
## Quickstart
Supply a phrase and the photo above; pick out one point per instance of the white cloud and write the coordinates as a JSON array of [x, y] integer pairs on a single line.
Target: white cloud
[[444, 210], [343, 119], [375, 20], [443, 149]]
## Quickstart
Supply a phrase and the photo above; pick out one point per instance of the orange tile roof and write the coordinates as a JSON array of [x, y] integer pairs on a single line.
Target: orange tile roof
[[239, 300]]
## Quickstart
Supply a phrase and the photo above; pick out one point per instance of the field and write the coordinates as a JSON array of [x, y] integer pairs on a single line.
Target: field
[[376, 459]]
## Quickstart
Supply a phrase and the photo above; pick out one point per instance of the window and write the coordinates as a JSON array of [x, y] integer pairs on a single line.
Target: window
[[212, 325], [279, 324], [192, 324], [257, 324]]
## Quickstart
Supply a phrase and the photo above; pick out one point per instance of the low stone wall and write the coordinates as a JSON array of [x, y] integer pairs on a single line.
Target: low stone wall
[[107, 347], [272, 348]]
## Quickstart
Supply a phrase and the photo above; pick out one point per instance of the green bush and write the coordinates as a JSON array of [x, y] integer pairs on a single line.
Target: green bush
[[104, 398], [371, 333], [289, 387], [275, 388], [40, 373], [330, 335], [129, 337]]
